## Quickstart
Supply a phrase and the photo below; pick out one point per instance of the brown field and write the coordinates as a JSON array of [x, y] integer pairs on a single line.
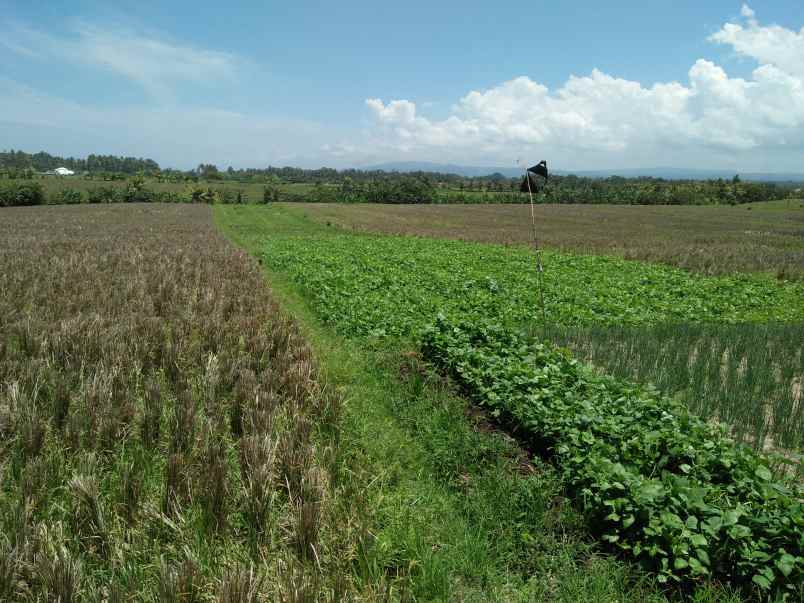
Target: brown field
[[711, 240], [163, 429]]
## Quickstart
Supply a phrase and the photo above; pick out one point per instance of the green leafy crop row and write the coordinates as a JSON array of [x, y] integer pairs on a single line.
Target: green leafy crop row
[[657, 483], [392, 286]]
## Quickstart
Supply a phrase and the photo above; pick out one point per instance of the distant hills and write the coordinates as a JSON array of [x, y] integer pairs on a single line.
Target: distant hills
[[657, 172], [443, 168]]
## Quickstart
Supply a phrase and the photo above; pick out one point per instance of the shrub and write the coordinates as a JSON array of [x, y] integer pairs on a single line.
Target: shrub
[[270, 194], [193, 194], [103, 194], [21, 193], [67, 196], [166, 197], [199, 194], [136, 191], [656, 482], [227, 196], [323, 194], [399, 189]]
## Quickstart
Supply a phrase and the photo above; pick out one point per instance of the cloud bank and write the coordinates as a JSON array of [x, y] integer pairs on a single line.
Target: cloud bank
[[612, 119]]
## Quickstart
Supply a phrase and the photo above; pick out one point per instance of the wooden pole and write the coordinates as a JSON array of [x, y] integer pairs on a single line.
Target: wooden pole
[[539, 267]]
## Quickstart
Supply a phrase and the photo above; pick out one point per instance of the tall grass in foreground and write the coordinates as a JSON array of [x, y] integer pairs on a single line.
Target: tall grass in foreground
[[748, 376], [164, 431]]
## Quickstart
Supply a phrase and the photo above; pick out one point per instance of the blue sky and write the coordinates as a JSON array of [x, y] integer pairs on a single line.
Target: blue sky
[[585, 84]]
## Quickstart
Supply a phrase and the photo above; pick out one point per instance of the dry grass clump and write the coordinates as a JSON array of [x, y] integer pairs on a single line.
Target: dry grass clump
[[162, 422], [240, 585]]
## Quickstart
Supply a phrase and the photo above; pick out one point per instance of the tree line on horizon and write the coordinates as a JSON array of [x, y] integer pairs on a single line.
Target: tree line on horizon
[[42, 161], [378, 186]]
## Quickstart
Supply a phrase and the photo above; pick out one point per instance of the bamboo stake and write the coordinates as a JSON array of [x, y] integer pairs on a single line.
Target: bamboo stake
[[539, 266]]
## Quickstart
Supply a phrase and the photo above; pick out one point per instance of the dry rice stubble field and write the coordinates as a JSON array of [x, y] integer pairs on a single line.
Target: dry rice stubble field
[[165, 433]]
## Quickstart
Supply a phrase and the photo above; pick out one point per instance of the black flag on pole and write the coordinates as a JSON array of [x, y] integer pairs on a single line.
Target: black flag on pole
[[532, 184], [539, 169]]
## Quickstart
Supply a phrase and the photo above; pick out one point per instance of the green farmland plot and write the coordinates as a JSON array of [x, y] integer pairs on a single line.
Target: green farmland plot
[[391, 286], [385, 289], [453, 506], [384, 285]]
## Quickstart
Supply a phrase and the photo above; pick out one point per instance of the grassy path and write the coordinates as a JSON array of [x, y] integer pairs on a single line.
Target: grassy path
[[456, 512]]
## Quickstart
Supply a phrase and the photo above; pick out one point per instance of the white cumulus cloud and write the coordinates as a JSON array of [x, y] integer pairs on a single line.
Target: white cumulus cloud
[[602, 116], [767, 44]]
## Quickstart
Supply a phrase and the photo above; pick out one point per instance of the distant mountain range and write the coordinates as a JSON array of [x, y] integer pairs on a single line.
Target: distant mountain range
[[657, 172]]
